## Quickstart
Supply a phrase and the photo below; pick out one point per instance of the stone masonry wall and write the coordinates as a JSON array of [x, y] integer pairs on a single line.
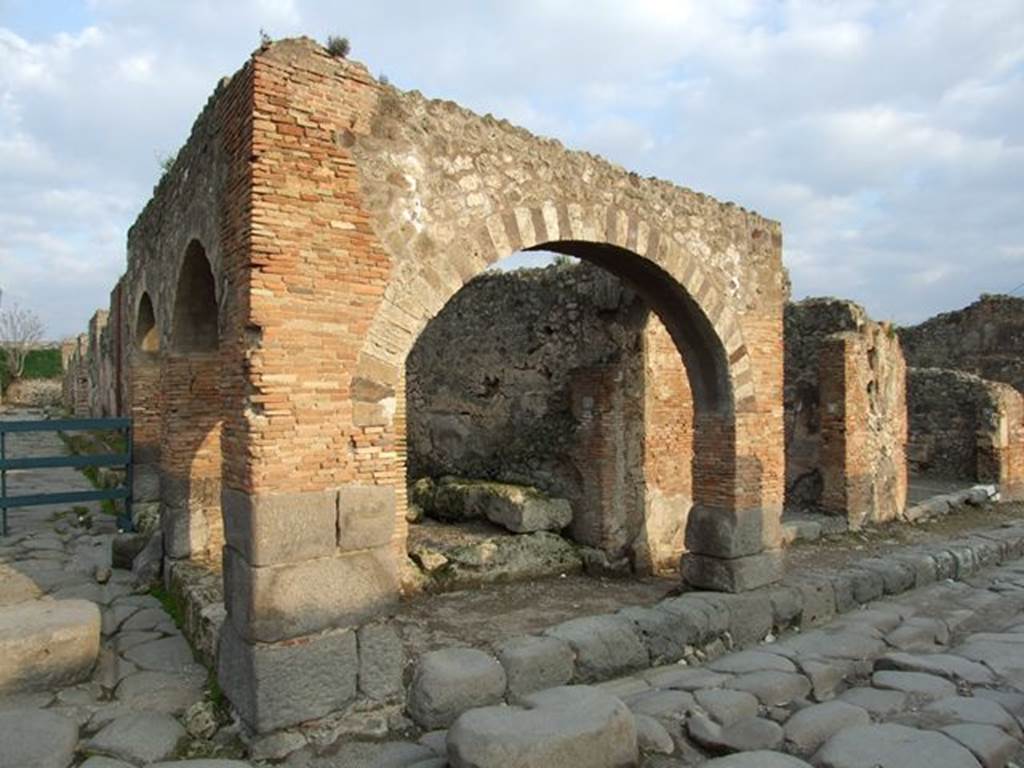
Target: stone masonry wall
[[845, 412], [556, 378], [985, 339], [964, 427]]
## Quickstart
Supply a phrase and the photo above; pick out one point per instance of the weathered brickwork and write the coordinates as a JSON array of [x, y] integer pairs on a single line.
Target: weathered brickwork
[[964, 427], [846, 423], [985, 338], [335, 217]]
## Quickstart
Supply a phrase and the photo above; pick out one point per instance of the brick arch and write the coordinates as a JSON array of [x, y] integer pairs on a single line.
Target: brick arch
[[195, 317], [145, 329], [630, 247]]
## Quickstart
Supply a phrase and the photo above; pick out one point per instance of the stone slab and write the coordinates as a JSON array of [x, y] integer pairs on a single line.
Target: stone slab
[[47, 644]]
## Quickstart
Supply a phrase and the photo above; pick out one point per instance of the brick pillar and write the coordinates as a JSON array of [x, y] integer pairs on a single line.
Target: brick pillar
[[862, 379], [144, 410], [310, 518], [190, 456]]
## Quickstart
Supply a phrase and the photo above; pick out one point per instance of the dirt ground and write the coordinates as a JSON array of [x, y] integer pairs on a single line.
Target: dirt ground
[[484, 615]]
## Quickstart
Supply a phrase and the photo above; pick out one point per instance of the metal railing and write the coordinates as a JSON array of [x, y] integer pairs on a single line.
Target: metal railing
[[123, 492]]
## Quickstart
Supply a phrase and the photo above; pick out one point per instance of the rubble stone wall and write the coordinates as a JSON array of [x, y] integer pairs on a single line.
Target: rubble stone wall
[[965, 427], [845, 412], [985, 339], [555, 378]]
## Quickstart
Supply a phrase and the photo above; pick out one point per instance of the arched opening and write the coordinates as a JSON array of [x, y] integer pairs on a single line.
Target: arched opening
[[147, 337], [195, 304], [571, 387], [190, 455]]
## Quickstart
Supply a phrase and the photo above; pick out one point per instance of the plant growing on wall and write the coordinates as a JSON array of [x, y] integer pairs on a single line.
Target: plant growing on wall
[[338, 46]]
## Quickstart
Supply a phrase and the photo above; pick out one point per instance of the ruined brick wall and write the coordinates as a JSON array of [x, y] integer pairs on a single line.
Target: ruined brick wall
[[985, 338], [846, 425], [964, 427]]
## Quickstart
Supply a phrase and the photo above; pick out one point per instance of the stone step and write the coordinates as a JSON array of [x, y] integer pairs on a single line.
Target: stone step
[[46, 644]]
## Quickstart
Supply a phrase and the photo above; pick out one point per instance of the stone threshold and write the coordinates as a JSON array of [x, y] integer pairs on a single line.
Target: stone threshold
[[691, 629]]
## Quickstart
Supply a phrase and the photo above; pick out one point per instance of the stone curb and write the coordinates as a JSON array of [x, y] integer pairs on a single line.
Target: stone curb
[[699, 626], [947, 503]]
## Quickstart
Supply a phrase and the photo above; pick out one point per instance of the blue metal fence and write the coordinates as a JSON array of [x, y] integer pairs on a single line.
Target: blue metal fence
[[78, 462]]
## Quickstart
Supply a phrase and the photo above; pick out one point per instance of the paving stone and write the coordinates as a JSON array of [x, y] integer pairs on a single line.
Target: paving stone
[[892, 746], [968, 709], [811, 727], [918, 633], [143, 619], [991, 745], [389, 754], [170, 654], [652, 737], [685, 678], [668, 704], [533, 663], [125, 640], [568, 726], [436, 741], [605, 646], [143, 737], [751, 733], [773, 688], [624, 687], [878, 703], [725, 706], [758, 759], [202, 764], [99, 761], [847, 644], [452, 680], [915, 683], [381, 662], [37, 738], [47, 644], [877, 617], [751, 661], [943, 664], [159, 692], [826, 677]]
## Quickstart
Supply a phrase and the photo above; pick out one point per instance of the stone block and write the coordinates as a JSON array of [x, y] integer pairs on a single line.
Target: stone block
[[145, 483], [739, 574], [605, 646], [451, 681], [40, 738], [275, 686], [867, 584], [896, 577], [819, 602], [730, 534], [366, 516], [534, 663], [569, 726], [16, 587], [381, 663], [47, 644], [750, 618], [665, 634], [270, 529], [275, 602]]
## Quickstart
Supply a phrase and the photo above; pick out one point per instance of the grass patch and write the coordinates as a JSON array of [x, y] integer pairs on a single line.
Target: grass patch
[[171, 604]]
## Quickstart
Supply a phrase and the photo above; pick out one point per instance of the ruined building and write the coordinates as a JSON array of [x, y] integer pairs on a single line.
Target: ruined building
[[279, 283]]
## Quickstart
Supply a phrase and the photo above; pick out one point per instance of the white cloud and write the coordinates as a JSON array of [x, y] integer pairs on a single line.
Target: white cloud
[[887, 137]]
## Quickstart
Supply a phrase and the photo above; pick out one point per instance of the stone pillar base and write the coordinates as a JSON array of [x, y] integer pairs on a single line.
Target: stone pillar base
[[277, 685], [739, 574]]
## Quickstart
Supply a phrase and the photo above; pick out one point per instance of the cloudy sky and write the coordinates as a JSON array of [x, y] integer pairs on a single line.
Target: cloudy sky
[[888, 137]]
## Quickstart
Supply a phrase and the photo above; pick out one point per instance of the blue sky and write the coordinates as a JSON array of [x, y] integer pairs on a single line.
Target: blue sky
[[887, 137]]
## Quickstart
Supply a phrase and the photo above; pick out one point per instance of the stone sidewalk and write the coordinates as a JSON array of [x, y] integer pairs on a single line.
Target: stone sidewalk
[[93, 670], [933, 679]]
